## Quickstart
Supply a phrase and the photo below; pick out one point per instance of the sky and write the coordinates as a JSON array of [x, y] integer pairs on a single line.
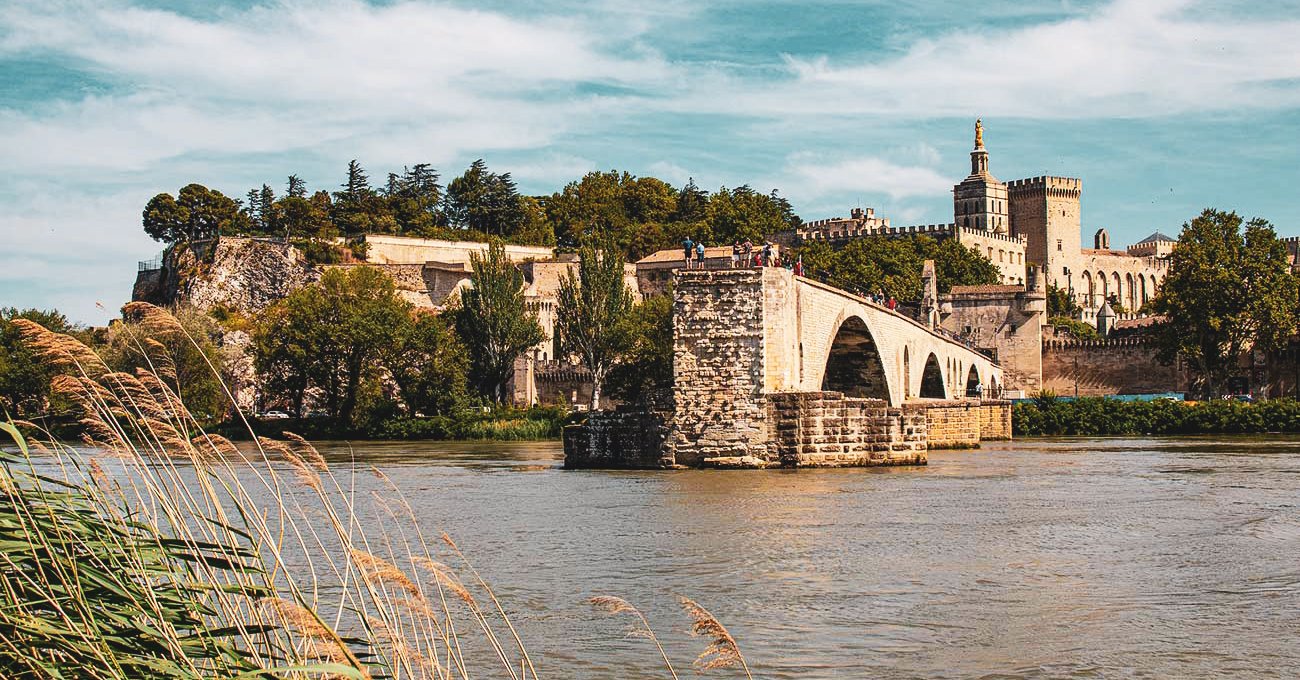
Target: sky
[[1161, 107]]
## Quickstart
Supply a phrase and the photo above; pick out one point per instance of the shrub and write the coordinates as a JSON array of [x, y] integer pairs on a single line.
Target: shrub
[[1047, 416]]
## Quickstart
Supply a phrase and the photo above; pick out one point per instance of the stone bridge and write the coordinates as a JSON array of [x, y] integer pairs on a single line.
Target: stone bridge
[[773, 368]]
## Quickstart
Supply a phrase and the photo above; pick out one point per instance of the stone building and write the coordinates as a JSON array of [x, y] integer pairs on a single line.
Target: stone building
[[1033, 222], [1005, 321]]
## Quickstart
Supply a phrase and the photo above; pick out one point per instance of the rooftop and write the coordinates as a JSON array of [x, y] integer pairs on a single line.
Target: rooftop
[[676, 254], [1155, 237]]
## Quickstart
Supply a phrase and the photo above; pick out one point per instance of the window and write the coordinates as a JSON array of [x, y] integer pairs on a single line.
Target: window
[[1058, 244]]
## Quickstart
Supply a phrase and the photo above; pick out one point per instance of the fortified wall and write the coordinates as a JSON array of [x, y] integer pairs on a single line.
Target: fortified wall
[[1099, 368]]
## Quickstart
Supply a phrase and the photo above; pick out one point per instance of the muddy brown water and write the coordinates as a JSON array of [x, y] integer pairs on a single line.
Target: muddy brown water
[[1061, 558], [1054, 558]]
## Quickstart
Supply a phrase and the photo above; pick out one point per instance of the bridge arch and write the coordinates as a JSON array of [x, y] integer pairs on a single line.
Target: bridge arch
[[972, 381], [853, 363], [932, 380]]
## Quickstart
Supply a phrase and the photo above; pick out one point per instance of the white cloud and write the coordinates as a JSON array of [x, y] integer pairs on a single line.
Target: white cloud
[[1136, 58], [808, 177], [670, 172]]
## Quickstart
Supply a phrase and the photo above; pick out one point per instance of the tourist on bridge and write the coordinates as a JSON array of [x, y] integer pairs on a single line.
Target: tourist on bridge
[[699, 255], [767, 254], [798, 266], [735, 254], [893, 304], [747, 248], [689, 246]]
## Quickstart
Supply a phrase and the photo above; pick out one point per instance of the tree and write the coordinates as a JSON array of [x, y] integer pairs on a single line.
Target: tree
[[358, 208], [493, 321], [430, 366], [742, 213], [24, 378], [1229, 289], [339, 330], [196, 212], [647, 364], [295, 187], [484, 201], [281, 355], [956, 264], [415, 198], [629, 209], [1060, 303], [589, 310], [182, 355]]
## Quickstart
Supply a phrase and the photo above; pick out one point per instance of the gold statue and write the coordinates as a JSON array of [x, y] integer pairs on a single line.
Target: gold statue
[[979, 134]]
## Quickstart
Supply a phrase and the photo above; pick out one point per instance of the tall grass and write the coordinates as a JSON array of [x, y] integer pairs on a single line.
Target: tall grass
[[159, 550]]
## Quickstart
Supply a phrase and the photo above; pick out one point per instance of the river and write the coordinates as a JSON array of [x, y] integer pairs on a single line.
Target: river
[[1054, 558]]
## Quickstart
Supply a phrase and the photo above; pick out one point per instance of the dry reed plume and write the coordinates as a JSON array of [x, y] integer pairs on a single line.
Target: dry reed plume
[[722, 651]]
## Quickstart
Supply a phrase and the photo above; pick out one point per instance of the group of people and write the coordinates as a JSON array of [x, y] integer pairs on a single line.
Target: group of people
[[743, 255]]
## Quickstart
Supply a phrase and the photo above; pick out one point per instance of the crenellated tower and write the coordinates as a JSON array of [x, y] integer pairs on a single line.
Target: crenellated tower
[[1045, 211], [980, 201]]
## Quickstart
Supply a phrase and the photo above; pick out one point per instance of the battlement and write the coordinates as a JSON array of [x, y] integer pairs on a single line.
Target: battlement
[[945, 229], [1059, 344], [1008, 238], [1057, 186]]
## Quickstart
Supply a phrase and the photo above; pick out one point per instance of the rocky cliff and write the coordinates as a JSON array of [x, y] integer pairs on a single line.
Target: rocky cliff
[[239, 274]]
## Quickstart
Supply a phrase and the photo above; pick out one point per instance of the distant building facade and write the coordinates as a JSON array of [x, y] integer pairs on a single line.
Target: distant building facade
[[1024, 223]]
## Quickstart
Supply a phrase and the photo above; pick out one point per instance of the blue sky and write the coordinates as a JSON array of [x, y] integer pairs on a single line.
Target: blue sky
[[1162, 107]]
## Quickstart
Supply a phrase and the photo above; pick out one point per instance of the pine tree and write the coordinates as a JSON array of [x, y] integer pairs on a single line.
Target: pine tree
[[266, 207], [252, 208], [296, 187]]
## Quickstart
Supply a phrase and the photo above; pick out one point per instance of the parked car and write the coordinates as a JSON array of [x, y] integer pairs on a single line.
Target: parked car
[[273, 415]]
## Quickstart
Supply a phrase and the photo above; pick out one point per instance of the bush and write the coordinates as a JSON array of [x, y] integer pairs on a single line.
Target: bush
[[1048, 416]]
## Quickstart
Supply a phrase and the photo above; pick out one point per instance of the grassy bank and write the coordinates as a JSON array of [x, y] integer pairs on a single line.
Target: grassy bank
[[1047, 416], [502, 424]]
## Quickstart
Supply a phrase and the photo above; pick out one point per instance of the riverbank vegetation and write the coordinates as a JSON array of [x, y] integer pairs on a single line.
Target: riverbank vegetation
[[156, 549], [1096, 416]]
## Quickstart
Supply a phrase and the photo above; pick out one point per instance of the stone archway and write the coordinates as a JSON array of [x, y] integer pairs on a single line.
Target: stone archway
[[854, 365], [972, 382], [932, 380]]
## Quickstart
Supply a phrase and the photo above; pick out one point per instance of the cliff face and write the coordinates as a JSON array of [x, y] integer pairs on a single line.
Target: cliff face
[[240, 274]]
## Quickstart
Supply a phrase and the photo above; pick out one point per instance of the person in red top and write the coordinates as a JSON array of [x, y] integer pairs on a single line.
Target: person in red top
[[798, 266], [893, 304]]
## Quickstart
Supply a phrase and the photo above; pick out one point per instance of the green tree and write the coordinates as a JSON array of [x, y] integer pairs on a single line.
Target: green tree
[[629, 209], [430, 366], [1060, 303], [341, 329], [196, 212], [589, 310], [182, 355], [1229, 289], [295, 187], [24, 378], [415, 198], [955, 264], [282, 353], [358, 208], [484, 201], [493, 321], [646, 369], [742, 213]]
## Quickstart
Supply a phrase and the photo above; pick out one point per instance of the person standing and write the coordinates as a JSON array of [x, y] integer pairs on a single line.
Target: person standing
[[699, 255], [735, 254], [747, 248], [689, 246], [798, 266]]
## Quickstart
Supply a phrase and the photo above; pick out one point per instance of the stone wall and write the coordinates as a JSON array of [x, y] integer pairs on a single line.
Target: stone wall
[[1103, 367], [385, 249], [623, 438], [1010, 322], [954, 425], [718, 367], [828, 429], [995, 420]]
